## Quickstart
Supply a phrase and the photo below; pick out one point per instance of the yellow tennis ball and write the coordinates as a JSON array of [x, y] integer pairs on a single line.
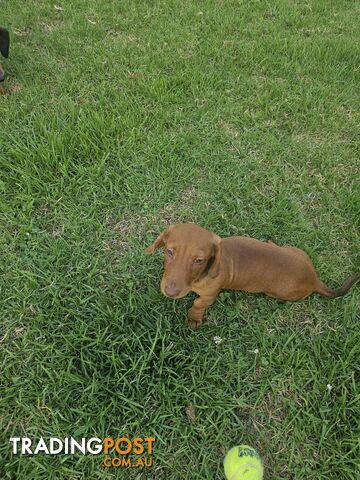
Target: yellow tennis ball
[[243, 463]]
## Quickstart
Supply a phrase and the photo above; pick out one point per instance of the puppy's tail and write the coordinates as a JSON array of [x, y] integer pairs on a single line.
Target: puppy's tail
[[338, 292]]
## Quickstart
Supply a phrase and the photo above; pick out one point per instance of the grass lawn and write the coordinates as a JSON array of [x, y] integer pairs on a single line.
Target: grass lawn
[[123, 117]]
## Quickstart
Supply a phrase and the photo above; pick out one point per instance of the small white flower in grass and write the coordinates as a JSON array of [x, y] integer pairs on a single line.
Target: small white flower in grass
[[217, 340], [329, 387], [256, 351]]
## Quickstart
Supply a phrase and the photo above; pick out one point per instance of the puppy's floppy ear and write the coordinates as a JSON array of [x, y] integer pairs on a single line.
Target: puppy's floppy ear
[[4, 42], [159, 242], [215, 267]]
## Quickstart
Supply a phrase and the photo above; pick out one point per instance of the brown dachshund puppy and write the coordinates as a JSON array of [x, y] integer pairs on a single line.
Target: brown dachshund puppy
[[200, 261]]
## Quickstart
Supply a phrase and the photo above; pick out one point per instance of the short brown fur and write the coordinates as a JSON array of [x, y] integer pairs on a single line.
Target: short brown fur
[[200, 261]]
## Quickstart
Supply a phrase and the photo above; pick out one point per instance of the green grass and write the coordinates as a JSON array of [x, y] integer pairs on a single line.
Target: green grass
[[123, 117]]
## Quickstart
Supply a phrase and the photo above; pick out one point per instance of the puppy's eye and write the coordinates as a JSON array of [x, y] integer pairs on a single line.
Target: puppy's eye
[[198, 261], [169, 252]]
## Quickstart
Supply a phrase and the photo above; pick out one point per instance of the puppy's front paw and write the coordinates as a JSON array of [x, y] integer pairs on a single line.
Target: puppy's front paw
[[193, 324], [194, 319]]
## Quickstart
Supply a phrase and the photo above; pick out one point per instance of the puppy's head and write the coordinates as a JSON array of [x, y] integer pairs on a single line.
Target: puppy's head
[[190, 254]]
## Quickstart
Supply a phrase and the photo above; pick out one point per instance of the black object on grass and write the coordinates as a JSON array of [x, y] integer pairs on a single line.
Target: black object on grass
[[4, 48]]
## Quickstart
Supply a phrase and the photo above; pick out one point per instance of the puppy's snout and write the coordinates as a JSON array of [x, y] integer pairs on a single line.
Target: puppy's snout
[[171, 290]]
